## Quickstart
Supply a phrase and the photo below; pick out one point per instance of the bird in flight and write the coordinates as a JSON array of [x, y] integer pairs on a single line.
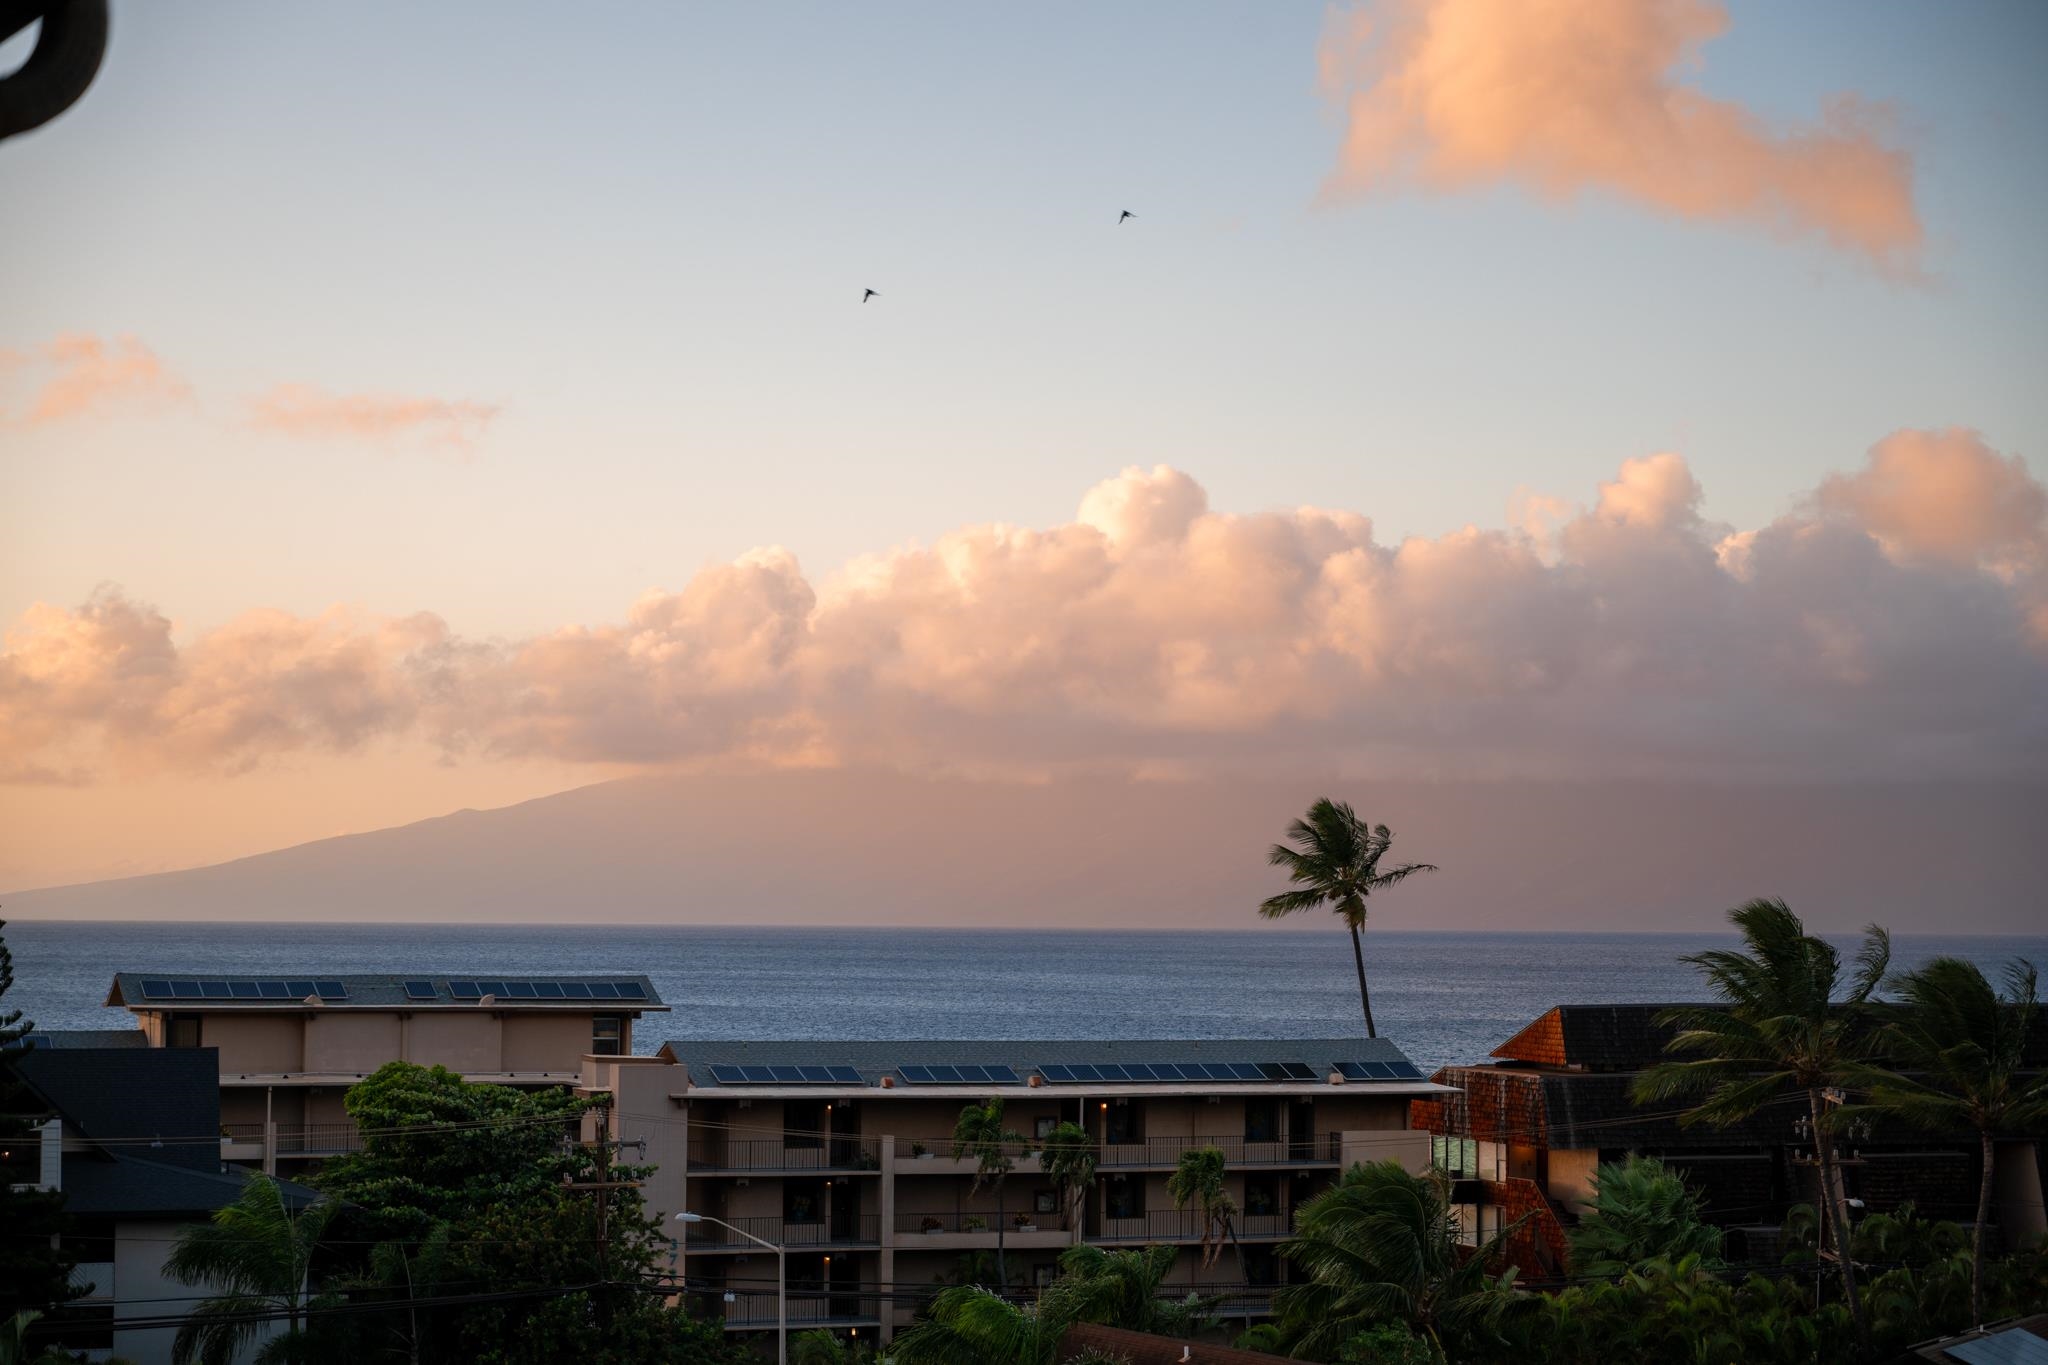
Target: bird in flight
[[871, 294], [1126, 214]]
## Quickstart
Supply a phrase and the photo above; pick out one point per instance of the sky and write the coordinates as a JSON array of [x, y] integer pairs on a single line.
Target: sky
[[404, 410]]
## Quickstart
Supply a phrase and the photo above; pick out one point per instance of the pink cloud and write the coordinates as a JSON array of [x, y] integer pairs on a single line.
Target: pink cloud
[[1579, 95], [304, 410], [79, 375], [1893, 626]]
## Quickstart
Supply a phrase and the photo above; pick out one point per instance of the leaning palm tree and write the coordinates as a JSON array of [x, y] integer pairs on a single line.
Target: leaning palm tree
[[1777, 1033], [1335, 862], [258, 1254], [1069, 1158], [1199, 1180], [979, 1133], [1383, 1244], [1959, 1047]]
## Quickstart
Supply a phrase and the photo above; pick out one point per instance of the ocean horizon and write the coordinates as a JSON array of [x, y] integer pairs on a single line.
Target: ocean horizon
[[1442, 996]]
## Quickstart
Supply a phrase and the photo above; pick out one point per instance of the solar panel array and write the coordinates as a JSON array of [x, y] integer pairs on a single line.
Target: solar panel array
[[784, 1075], [291, 989], [1124, 1072], [958, 1075], [1379, 1071], [535, 989]]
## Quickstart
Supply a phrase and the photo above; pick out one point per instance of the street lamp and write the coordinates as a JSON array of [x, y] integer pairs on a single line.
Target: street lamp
[[781, 1280]]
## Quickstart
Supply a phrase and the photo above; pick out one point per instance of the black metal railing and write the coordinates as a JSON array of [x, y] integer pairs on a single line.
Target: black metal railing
[[809, 1307], [780, 1154], [1185, 1225], [854, 1230], [317, 1139], [984, 1220], [1322, 1149]]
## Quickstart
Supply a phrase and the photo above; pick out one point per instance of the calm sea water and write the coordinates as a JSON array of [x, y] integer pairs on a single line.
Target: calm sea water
[[1443, 997]]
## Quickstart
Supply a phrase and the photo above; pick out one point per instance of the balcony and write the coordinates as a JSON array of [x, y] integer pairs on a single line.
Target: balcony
[[941, 1161], [779, 1156], [957, 1230], [750, 1310], [1185, 1225], [318, 1139], [862, 1231], [1165, 1152]]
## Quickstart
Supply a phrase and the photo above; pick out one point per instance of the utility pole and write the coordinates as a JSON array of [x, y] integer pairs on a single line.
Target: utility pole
[[602, 1187]]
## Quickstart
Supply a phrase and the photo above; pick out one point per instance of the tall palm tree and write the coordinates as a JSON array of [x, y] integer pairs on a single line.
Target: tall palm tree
[[1335, 861], [1069, 1159], [258, 1253], [1383, 1244], [979, 1133], [1777, 1033], [1199, 1180], [1959, 1047]]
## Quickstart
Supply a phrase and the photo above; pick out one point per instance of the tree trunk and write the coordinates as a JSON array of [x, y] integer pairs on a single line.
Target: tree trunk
[[1977, 1235], [1836, 1206], [1364, 996]]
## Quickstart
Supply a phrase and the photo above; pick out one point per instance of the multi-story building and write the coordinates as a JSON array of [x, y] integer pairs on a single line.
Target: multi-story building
[[291, 1046], [1523, 1138], [842, 1154]]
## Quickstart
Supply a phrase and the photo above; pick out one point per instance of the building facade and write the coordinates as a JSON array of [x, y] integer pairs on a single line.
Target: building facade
[[289, 1047], [842, 1154]]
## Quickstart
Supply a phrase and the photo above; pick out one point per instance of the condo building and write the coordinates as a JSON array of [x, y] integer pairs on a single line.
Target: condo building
[[842, 1155]]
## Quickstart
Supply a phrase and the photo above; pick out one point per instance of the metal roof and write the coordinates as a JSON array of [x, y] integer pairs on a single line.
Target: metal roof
[[2013, 1346], [383, 991]]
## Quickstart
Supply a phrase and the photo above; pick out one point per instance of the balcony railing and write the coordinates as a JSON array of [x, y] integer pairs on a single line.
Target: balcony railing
[[810, 1307], [1323, 1149], [861, 1230], [317, 1139], [951, 1220], [1185, 1225], [778, 1154], [241, 1132]]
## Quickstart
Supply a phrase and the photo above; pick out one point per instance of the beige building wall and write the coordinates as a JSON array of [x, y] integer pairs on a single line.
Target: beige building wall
[[347, 1042], [545, 1042], [1571, 1175], [260, 1044], [466, 1042]]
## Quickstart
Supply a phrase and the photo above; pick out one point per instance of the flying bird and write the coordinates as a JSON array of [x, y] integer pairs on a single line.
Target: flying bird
[[871, 294], [1126, 214]]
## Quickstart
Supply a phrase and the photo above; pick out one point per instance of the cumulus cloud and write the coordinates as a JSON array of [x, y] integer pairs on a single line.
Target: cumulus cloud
[[304, 410], [1891, 626], [1578, 95], [78, 375]]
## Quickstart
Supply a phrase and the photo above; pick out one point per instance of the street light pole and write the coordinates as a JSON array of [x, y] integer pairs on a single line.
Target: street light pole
[[781, 1280]]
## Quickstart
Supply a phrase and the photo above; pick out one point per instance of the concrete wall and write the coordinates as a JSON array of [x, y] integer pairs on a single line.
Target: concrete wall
[[2016, 1193], [466, 1043], [256, 1043], [348, 1043], [545, 1042]]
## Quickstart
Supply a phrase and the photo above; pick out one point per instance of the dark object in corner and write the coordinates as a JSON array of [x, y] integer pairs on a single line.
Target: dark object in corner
[[66, 57]]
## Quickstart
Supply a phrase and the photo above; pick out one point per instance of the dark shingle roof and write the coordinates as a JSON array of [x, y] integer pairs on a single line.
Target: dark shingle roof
[[380, 991], [134, 1186], [88, 1037], [167, 1095], [871, 1058]]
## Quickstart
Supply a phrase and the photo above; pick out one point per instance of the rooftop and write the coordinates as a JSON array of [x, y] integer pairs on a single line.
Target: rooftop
[[311, 990]]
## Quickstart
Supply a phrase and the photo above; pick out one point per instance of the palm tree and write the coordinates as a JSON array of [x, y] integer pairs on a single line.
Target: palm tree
[[1640, 1211], [1959, 1046], [979, 1133], [969, 1325], [1383, 1244], [258, 1253], [1069, 1158], [1122, 1289], [1336, 862], [1199, 1180], [1777, 1033]]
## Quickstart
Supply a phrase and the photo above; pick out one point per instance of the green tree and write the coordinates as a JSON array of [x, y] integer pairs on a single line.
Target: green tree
[[1200, 1179], [1123, 1289], [979, 1133], [1381, 1246], [968, 1325], [1640, 1211], [1779, 1032], [35, 1270], [1069, 1158], [1959, 1049], [257, 1255], [1335, 862]]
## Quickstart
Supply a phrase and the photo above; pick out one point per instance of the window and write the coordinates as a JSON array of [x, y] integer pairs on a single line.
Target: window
[[183, 1031], [605, 1035], [1262, 1119]]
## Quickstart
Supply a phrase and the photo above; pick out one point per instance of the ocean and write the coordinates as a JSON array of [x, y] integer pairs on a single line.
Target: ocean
[[1442, 997]]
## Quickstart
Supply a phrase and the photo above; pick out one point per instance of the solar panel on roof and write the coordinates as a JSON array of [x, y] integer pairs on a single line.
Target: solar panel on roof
[[603, 990], [1406, 1071], [213, 990], [630, 990], [186, 990], [464, 990], [244, 990], [158, 989], [274, 990], [419, 990], [496, 988], [1365, 1071], [758, 1075], [299, 990], [548, 990], [330, 990], [576, 990], [520, 990], [788, 1075], [1297, 1071], [1002, 1075]]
